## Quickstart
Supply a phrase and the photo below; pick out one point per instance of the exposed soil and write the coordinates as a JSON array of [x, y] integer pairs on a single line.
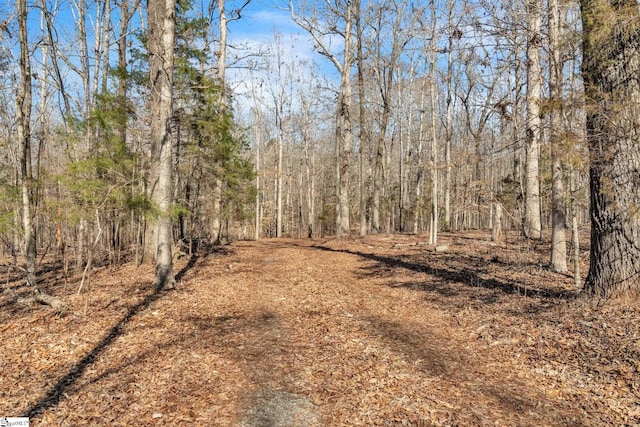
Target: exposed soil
[[379, 331]]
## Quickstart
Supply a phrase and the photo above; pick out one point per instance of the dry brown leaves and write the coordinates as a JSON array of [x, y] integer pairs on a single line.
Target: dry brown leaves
[[379, 331]]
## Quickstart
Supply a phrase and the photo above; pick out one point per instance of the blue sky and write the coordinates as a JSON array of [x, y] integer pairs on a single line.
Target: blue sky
[[260, 23], [260, 19], [255, 31]]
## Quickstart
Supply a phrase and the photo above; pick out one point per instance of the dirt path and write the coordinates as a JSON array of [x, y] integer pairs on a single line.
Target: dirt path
[[367, 352], [294, 333]]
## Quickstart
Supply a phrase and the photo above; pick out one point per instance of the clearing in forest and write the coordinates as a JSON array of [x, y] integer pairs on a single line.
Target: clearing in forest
[[375, 331]]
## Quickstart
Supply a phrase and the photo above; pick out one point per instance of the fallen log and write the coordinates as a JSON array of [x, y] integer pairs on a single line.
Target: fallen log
[[42, 298], [54, 302]]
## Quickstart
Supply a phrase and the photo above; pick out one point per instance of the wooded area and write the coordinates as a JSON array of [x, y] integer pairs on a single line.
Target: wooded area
[[414, 117], [138, 136]]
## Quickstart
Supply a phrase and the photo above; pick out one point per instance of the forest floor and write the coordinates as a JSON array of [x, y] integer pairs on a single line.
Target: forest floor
[[379, 331]]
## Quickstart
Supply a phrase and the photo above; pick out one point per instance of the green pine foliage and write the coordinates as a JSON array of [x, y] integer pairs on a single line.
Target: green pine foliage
[[210, 145], [106, 177]]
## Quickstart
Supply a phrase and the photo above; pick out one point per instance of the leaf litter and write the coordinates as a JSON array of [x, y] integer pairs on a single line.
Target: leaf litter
[[378, 331]]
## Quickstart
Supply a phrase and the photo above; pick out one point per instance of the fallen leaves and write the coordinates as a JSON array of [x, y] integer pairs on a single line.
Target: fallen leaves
[[378, 331]]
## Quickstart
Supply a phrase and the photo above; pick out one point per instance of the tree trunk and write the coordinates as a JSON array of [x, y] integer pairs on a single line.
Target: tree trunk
[[575, 231], [258, 136], [611, 74], [433, 222], [343, 131], [447, 152], [386, 69], [216, 227], [162, 18], [496, 229], [23, 130], [558, 221], [418, 197], [364, 140], [532, 223], [310, 165], [279, 179]]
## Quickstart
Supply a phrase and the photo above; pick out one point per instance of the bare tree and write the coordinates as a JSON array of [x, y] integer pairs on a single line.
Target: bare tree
[[338, 12], [558, 220], [453, 34], [532, 222], [363, 134], [433, 162], [216, 219], [162, 21], [23, 130], [127, 11], [385, 71]]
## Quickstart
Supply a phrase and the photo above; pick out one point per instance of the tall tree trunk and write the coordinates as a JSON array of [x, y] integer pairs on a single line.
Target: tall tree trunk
[[279, 178], [433, 222], [386, 69], [162, 20], [447, 153], [496, 228], [216, 225], [532, 222], [23, 129], [575, 230], [126, 13], [310, 166], [364, 139], [418, 199], [558, 220], [343, 132], [258, 136], [401, 175], [611, 75]]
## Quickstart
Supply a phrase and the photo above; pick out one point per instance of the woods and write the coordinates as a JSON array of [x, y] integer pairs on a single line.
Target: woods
[[310, 213], [144, 127]]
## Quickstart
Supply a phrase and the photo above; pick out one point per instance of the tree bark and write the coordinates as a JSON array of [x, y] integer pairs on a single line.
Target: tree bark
[[279, 178], [449, 121], [216, 223], [532, 223], [496, 229], [258, 140], [575, 230], [23, 130], [418, 196], [433, 162], [344, 133], [558, 221], [364, 135], [611, 75], [162, 20]]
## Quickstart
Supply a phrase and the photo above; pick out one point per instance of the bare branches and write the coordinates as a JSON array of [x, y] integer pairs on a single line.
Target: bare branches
[[319, 31]]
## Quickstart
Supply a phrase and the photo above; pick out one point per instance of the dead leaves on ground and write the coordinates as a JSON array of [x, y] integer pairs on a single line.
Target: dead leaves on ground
[[378, 331]]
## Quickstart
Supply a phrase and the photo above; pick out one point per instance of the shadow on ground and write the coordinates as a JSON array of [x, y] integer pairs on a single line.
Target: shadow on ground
[[468, 276], [465, 374], [62, 387]]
